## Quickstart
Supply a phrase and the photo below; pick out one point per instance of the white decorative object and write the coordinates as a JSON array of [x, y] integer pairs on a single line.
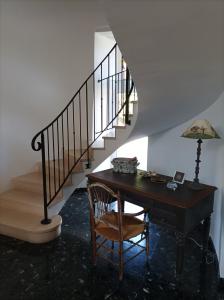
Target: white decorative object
[[125, 165]]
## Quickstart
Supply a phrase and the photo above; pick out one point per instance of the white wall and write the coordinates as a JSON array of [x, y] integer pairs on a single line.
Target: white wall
[[104, 41], [169, 152], [46, 52], [138, 148]]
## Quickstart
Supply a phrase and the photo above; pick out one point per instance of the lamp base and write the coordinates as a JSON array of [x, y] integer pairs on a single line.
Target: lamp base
[[196, 186]]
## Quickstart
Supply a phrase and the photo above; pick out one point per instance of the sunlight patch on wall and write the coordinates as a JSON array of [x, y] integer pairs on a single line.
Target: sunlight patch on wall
[[138, 148]]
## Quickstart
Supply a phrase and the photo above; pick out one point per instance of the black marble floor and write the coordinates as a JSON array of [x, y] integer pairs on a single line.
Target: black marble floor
[[62, 269]]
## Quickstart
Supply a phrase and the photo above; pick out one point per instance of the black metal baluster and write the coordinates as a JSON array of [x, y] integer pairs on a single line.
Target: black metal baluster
[[108, 89], [122, 92], [59, 171], [123, 111], [115, 83], [49, 164], [73, 127], [127, 121], [87, 128], [45, 220], [112, 97], [80, 124], [63, 145], [94, 108], [119, 95], [101, 95], [123, 96], [52, 127], [68, 139]]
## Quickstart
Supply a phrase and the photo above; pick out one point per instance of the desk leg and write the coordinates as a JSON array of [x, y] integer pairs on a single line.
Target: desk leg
[[122, 205], [180, 241], [206, 230]]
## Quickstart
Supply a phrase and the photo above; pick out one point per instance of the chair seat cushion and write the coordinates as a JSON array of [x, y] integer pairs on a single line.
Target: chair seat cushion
[[107, 226]]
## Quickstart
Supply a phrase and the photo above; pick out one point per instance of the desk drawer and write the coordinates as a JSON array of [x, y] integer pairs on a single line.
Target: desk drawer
[[160, 216], [140, 201]]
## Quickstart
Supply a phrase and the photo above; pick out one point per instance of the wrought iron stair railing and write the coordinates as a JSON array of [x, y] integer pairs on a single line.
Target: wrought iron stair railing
[[101, 102]]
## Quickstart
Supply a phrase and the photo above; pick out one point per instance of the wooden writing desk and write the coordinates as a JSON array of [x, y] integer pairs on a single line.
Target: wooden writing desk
[[181, 210]]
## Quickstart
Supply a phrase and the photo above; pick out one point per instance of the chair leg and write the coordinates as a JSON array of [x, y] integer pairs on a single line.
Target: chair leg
[[145, 218], [112, 247], [121, 262], [147, 241], [93, 238]]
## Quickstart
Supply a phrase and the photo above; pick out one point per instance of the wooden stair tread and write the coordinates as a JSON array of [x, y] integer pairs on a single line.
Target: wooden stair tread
[[119, 126], [26, 221], [109, 137], [130, 115], [34, 177], [98, 148]]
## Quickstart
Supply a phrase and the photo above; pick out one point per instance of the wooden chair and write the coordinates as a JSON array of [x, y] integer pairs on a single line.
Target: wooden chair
[[109, 223]]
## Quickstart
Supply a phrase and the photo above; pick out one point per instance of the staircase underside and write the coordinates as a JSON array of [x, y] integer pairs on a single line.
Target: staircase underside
[[175, 53]]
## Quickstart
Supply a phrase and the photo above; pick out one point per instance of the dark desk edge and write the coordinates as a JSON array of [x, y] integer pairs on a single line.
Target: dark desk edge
[[92, 176]]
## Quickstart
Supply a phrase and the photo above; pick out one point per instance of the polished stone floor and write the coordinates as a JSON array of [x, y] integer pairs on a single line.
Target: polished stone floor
[[62, 269]]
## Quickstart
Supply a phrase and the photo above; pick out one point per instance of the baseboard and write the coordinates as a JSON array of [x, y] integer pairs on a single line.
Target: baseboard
[[211, 244], [221, 284], [220, 280], [81, 189]]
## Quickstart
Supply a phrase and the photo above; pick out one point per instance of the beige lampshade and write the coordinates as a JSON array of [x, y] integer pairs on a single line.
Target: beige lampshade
[[200, 129]]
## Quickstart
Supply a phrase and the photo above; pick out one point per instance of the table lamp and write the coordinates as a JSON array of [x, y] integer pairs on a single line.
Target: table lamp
[[200, 130]]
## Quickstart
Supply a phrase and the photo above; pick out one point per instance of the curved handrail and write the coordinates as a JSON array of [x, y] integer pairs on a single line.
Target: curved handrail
[[60, 114]]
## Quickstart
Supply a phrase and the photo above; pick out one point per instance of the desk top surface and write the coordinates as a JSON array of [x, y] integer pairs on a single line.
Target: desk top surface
[[183, 197]]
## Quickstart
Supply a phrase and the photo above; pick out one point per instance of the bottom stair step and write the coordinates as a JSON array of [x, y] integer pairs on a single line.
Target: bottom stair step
[[25, 201], [27, 227]]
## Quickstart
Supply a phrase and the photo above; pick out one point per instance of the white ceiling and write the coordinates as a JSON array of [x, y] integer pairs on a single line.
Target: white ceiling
[[175, 51]]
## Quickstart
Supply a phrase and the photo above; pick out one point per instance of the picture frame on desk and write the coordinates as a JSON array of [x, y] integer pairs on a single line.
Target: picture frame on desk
[[178, 177]]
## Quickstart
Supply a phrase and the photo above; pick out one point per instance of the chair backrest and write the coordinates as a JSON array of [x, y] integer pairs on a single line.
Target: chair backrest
[[104, 201]]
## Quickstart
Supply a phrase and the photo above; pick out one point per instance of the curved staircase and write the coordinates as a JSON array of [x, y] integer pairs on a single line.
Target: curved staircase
[[45, 190]]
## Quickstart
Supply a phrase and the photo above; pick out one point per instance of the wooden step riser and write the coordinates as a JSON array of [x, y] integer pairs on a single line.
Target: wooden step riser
[[79, 169], [28, 207], [77, 155], [33, 187], [68, 182], [26, 202]]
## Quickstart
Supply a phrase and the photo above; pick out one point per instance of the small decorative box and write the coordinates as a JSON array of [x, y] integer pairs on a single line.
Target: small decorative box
[[125, 165]]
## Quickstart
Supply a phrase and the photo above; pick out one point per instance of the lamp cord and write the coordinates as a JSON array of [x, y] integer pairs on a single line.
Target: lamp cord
[[210, 256]]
